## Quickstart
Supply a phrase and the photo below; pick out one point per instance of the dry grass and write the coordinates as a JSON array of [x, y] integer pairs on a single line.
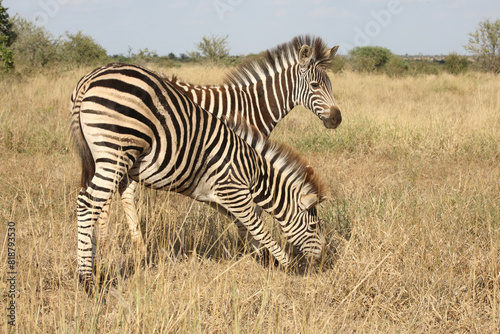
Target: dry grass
[[414, 178]]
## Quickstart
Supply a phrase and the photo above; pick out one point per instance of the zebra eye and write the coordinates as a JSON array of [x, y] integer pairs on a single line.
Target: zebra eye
[[314, 84]]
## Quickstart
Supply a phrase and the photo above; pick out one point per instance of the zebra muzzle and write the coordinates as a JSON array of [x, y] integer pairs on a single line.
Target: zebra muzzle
[[332, 119]]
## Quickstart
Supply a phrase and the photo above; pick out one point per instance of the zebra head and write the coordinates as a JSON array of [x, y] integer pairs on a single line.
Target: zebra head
[[314, 89], [304, 227]]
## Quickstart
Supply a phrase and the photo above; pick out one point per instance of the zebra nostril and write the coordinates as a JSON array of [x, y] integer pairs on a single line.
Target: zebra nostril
[[336, 115]]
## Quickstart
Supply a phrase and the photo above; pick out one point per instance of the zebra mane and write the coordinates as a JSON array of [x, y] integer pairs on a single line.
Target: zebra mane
[[283, 155], [277, 59]]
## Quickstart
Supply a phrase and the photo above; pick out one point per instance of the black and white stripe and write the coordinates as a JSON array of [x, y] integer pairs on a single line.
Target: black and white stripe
[[128, 122]]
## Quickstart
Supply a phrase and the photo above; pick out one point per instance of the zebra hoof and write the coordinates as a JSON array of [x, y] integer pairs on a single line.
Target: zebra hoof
[[86, 282]]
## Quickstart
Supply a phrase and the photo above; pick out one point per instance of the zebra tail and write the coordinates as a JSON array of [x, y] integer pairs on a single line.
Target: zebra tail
[[88, 164]]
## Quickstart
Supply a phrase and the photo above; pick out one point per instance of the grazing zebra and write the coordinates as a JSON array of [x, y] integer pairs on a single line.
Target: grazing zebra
[[264, 91], [128, 122]]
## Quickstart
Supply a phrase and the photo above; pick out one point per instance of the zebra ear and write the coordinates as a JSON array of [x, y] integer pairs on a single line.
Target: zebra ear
[[305, 55], [307, 201], [332, 52]]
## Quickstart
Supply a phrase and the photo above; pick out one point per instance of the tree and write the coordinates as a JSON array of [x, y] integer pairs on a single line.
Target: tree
[[369, 58], [81, 49], [34, 45], [7, 37], [172, 56], [484, 43], [214, 48]]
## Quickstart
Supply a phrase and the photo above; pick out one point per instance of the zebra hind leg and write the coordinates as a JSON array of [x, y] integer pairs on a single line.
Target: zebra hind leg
[[90, 204], [103, 227], [127, 189]]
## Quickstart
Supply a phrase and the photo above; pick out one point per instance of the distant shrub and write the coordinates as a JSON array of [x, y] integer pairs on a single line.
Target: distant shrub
[[456, 64], [396, 66], [80, 49], [377, 59], [369, 58], [143, 56], [34, 46], [363, 64], [119, 59], [212, 49], [338, 64], [423, 66]]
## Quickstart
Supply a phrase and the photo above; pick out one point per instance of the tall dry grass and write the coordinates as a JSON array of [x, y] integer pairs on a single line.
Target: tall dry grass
[[414, 181]]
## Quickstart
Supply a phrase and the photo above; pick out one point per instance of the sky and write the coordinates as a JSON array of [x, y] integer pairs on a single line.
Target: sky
[[413, 27]]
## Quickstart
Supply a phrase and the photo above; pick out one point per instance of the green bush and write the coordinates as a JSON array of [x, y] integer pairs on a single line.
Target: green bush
[[456, 64], [423, 66], [81, 49], [7, 37], [34, 45], [338, 64], [369, 58], [396, 66], [377, 59]]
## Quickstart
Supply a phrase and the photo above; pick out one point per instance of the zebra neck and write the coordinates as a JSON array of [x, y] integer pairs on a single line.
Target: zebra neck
[[269, 191], [263, 189], [262, 103]]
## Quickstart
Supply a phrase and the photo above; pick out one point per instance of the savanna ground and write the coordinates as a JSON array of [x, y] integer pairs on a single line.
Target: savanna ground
[[413, 177]]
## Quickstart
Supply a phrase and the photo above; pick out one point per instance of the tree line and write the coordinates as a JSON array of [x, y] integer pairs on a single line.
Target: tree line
[[27, 45]]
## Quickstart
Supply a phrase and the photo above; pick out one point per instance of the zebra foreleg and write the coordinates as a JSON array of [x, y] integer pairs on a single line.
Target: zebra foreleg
[[245, 237], [249, 216], [264, 238]]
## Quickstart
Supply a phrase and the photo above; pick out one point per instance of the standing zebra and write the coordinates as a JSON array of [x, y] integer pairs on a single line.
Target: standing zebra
[[127, 122], [264, 91]]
